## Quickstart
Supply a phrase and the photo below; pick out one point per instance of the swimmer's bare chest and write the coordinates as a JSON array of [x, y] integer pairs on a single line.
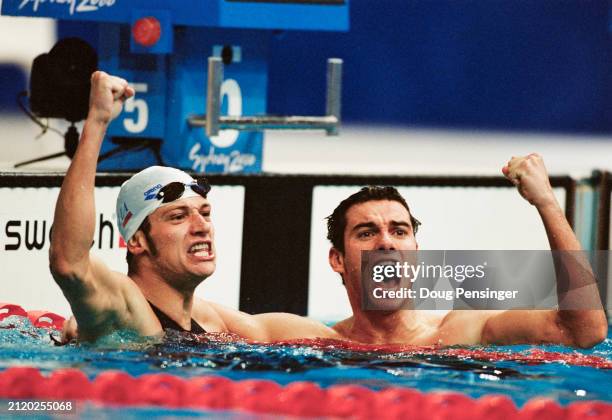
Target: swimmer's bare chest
[[432, 330]]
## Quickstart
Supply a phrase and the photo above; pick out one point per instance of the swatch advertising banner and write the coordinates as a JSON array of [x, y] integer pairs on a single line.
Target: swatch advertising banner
[[25, 230]]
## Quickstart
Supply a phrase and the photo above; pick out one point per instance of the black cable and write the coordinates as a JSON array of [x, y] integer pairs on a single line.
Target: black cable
[[157, 151], [127, 148], [44, 127], [135, 146]]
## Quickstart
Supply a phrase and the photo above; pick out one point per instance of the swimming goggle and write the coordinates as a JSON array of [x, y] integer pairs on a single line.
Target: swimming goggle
[[174, 190]]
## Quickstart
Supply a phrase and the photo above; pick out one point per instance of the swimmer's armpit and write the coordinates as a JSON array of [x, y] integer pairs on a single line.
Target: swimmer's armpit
[[70, 331], [541, 327]]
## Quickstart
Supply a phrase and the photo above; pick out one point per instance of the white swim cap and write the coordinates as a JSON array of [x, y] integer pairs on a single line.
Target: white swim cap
[[138, 197]]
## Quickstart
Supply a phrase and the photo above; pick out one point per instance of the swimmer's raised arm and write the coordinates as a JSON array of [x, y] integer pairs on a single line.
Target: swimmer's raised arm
[[74, 221], [571, 326], [274, 326]]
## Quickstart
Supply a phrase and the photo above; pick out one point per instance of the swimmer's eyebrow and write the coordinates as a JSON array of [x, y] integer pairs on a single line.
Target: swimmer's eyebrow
[[405, 224], [205, 206], [370, 225]]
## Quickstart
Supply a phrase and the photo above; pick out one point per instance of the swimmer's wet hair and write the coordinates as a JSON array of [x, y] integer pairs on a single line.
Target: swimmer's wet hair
[[336, 222], [146, 229]]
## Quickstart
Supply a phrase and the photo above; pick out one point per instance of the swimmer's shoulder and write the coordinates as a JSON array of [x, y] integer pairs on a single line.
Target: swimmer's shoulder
[[268, 326], [463, 327], [297, 326], [211, 316], [287, 326], [343, 327], [110, 301]]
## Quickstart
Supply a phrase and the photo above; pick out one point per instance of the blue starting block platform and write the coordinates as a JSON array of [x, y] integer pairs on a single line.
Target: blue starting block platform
[[164, 49]]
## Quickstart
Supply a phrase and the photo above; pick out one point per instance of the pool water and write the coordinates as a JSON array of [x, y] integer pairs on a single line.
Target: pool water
[[518, 376]]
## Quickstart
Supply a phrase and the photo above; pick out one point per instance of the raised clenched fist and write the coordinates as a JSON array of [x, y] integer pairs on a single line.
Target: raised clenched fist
[[107, 96], [529, 174]]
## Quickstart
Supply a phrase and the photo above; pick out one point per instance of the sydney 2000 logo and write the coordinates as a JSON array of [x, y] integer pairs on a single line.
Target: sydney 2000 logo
[[74, 6]]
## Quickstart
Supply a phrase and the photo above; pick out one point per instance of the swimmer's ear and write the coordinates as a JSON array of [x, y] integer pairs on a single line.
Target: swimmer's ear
[[336, 260], [137, 243]]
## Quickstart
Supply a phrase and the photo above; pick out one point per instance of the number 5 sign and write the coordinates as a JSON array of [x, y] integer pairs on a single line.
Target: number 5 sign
[[143, 114], [136, 105]]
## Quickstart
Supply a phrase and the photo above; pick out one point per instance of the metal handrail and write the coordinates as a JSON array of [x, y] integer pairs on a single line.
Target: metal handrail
[[213, 121]]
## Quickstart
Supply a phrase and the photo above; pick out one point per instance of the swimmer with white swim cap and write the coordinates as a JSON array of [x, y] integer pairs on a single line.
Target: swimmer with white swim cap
[[165, 218], [378, 218]]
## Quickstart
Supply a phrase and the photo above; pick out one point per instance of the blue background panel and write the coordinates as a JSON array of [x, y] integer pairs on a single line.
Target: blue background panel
[[212, 13], [284, 16], [522, 65]]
